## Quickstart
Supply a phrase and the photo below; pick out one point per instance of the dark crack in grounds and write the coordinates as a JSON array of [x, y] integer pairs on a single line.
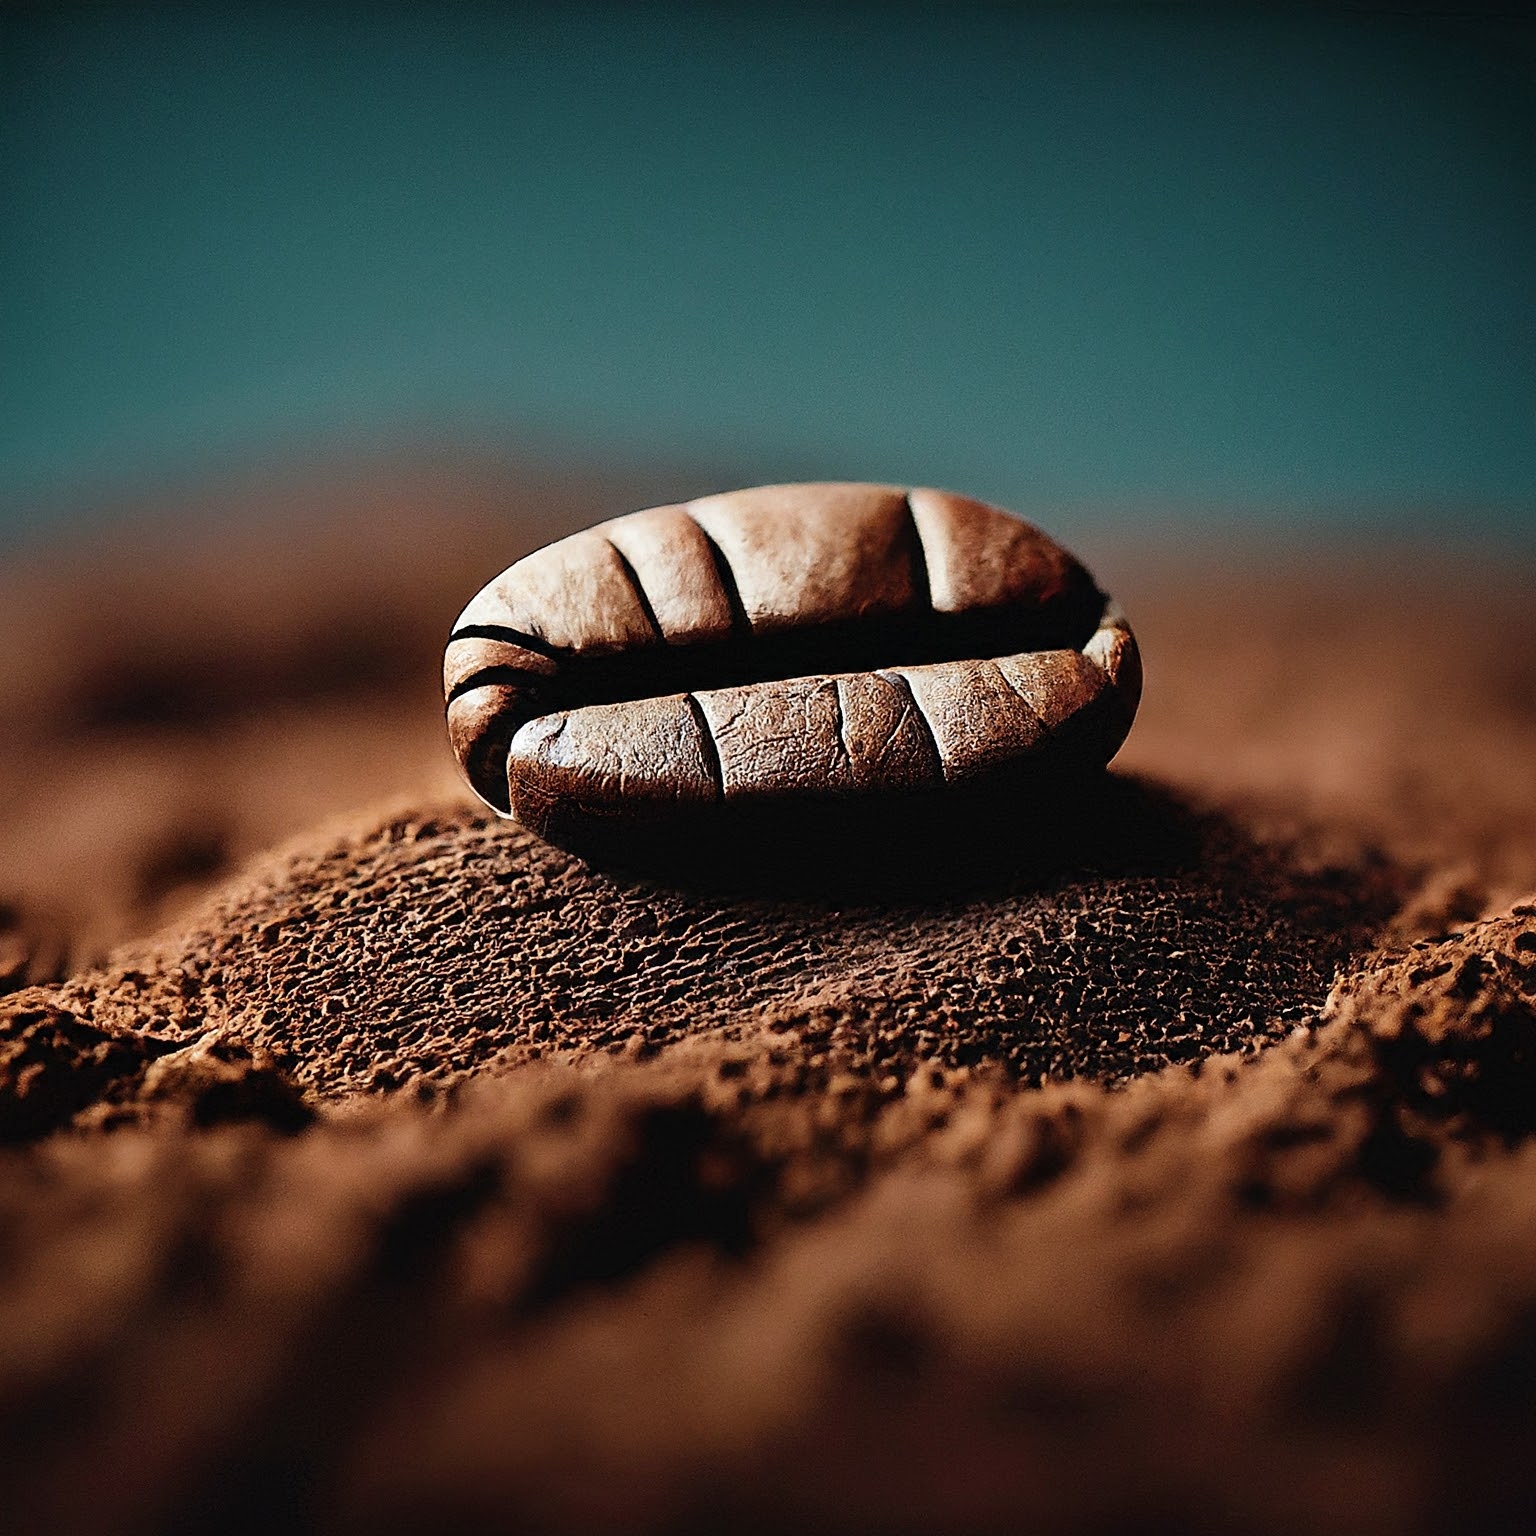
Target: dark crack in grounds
[[1103, 941]]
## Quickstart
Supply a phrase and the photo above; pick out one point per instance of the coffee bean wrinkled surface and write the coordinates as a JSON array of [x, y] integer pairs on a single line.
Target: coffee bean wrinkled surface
[[786, 644]]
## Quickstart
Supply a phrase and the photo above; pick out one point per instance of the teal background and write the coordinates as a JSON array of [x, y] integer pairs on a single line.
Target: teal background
[[1272, 263]]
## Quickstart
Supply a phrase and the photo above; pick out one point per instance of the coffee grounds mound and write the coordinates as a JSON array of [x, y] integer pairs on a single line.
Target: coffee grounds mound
[[432, 945]]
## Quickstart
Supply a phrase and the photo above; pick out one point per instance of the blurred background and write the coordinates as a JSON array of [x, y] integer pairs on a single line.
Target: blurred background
[[312, 318], [1231, 263]]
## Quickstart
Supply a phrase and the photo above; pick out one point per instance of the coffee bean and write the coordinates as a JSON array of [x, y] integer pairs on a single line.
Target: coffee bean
[[787, 644]]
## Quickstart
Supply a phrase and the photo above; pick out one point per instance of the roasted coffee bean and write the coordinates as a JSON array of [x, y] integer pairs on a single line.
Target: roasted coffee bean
[[784, 644]]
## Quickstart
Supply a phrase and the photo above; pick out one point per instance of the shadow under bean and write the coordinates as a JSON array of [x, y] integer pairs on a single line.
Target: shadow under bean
[[1029, 830]]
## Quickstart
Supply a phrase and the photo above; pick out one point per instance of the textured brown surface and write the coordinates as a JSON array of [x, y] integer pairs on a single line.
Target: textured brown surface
[[412, 1175], [435, 943]]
